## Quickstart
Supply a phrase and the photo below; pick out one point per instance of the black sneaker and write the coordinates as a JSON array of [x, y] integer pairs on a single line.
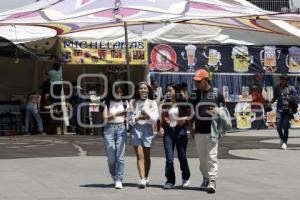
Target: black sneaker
[[205, 183], [211, 188]]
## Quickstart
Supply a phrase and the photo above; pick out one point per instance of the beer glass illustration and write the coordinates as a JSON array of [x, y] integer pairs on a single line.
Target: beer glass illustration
[[241, 59], [269, 59], [190, 52], [214, 58], [295, 123], [226, 92], [293, 60], [244, 115]]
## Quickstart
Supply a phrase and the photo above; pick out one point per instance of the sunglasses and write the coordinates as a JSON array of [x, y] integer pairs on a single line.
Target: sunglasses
[[241, 56]]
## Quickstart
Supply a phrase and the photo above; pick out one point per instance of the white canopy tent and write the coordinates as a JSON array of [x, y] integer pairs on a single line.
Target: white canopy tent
[[202, 34], [22, 34], [105, 34]]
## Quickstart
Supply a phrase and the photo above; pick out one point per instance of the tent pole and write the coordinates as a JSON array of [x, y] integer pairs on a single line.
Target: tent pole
[[127, 51], [127, 56]]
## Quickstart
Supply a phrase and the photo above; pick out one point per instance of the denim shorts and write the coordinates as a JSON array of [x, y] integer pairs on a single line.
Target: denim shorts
[[141, 134]]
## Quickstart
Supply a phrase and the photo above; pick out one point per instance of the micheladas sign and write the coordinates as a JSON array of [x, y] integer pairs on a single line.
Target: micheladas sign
[[99, 52]]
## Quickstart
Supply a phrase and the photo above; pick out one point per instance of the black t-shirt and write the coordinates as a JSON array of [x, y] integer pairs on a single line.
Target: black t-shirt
[[202, 101], [282, 95]]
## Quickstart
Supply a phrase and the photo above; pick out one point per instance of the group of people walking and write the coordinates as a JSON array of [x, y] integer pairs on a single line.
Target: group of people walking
[[171, 119]]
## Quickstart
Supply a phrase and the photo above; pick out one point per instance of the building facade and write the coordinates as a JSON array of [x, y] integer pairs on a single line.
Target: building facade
[[273, 5]]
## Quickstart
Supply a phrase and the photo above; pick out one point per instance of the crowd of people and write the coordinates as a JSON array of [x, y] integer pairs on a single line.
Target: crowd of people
[[35, 100], [172, 118], [172, 115]]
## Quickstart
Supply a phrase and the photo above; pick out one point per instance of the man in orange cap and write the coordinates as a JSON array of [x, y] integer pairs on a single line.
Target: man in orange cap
[[206, 102]]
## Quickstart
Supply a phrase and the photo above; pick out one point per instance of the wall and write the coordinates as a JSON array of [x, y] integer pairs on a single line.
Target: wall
[[16, 79], [20, 78]]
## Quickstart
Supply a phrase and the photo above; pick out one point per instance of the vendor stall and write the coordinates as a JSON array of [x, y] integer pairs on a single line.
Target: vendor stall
[[236, 65]]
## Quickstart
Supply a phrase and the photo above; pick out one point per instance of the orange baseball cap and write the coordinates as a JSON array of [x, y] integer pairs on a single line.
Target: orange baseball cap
[[200, 74]]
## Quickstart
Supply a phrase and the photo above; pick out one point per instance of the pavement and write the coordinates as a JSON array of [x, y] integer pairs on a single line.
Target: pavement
[[73, 167]]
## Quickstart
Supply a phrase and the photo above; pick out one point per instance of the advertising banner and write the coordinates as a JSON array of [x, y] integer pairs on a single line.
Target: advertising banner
[[225, 58], [101, 53]]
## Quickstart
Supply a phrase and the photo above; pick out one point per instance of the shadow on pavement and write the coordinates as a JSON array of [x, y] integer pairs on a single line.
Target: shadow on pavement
[[135, 185], [98, 185]]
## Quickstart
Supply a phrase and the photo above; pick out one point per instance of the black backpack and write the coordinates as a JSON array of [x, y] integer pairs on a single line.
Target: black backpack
[[293, 103]]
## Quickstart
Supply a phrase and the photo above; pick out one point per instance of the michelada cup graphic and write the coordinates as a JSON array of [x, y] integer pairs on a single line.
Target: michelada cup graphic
[[271, 117], [293, 60], [241, 59], [190, 52], [214, 57], [295, 123], [244, 116], [268, 56]]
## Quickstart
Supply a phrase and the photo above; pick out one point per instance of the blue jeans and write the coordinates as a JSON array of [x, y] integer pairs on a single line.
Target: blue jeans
[[176, 136], [115, 137], [283, 123], [31, 109]]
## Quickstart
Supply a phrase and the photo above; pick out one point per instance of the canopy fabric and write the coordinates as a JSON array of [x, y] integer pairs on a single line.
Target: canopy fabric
[[22, 34], [201, 34], [105, 34], [71, 15]]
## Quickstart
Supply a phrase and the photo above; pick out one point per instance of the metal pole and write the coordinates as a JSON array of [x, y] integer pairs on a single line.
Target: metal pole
[[127, 51], [126, 44]]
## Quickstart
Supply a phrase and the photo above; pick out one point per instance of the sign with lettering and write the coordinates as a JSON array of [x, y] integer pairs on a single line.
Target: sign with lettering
[[101, 53]]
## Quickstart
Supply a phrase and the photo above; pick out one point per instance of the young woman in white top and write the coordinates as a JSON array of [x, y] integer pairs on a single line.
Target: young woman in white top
[[174, 117], [115, 134], [143, 115]]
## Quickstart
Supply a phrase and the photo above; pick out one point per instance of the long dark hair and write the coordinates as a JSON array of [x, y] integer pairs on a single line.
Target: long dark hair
[[183, 110], [111, 91], [136, 92]]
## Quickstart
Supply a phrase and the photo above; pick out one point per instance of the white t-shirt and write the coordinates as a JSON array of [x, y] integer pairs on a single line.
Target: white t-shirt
[[117, 107], [149, 106], [173, 114]]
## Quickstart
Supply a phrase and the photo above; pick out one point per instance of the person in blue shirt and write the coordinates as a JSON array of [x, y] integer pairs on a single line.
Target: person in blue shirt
[[55, 76], [283, 94]]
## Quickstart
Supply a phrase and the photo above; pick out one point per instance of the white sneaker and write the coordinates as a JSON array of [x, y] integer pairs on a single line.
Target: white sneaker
[[283, 146], [168, 186], [118, 185], [147, 181], [212, 186], [185, 183], [143, 183]]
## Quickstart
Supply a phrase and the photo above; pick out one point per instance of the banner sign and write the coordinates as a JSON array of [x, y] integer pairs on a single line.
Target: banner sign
[[225, 58], [101, 53]]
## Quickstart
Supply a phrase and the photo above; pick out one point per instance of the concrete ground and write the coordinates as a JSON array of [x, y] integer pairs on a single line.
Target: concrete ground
[[74, 167]]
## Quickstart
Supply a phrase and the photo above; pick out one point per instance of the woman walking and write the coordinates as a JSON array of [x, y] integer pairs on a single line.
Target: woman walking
[[173, 129], [115, 134], [143, 115]]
